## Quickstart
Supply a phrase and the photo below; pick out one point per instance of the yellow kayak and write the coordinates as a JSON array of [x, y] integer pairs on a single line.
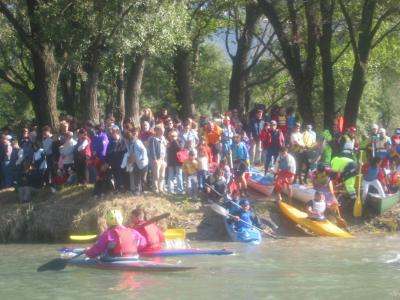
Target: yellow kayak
[[323, 228]]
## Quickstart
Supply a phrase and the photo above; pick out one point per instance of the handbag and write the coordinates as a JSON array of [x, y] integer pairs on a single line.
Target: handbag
[[182, 155]]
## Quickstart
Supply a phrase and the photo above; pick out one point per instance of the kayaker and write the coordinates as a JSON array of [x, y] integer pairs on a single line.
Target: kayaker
[[322, 183], [316, 208], [117, 240], [345, 169], [150, 231], [284, 170], [244, 215]]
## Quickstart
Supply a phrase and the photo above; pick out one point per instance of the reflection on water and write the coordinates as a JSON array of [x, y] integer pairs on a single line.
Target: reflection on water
[[295, 268]]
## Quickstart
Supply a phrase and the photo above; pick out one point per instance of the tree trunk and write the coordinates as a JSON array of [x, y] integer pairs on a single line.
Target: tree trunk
[[68, 81], [120, 105], [328, 81], [183, 81], [240, 72], [133, 89], [304, 90], [46, 75], [354, 94], [89, 105]]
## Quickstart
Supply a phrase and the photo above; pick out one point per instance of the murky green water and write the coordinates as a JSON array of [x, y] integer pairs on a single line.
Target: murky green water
[[295, 268]]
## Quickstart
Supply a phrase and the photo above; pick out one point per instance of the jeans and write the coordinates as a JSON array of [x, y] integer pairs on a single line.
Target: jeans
[[7, 177], [175, 171], [201, 178], [272, 153], [192, 185]]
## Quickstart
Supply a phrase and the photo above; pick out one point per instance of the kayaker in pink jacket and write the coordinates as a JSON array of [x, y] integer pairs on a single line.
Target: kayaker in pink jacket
[[118, 240]]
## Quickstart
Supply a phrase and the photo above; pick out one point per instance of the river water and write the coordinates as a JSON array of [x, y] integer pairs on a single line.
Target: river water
[[294, 268]]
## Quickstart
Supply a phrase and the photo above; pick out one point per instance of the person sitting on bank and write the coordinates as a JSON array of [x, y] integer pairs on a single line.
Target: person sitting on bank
[[117, 240], [285, 170], [316, 208], [150, 231]]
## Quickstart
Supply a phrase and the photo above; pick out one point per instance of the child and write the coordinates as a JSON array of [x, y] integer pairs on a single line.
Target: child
[[103, 183], [202, 167], [285, 169], [316, 208], [190, 167]]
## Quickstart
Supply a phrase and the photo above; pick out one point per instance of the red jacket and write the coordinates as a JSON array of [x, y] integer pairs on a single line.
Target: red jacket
[[125, 245], [266, 138], [153, 235]]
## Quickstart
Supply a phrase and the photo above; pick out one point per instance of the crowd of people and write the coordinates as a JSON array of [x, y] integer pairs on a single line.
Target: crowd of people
[[200, 154]]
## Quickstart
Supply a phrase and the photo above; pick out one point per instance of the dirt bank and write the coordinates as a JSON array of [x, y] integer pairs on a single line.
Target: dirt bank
[[53, 217]]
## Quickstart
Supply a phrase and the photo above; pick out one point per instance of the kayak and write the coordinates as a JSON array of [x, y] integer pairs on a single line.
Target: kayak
[[322, 228], [183, 252], [302, 193], [161, 252], [128, 265], [248, 235], [379, 205], [263, 184]]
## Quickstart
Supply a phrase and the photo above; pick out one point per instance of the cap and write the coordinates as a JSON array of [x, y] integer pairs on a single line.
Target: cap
[[273, 122], [382, 130], [397, 131], [309, 126], [298, 124], [374, 126]]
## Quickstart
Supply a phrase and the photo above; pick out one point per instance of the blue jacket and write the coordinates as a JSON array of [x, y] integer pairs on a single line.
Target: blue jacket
[[256, 126], [240, 152], [139, 150]]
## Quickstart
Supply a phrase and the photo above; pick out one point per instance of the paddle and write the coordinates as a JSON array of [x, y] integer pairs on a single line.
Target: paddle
[[357, 209], [271, 224], [93, 236], [82, 237], [223, 212], [57, 264]]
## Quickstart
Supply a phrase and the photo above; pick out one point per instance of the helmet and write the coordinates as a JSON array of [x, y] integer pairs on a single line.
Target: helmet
[[114, 217], [375, 126], [382, 130], [352, 129], [322, 166]]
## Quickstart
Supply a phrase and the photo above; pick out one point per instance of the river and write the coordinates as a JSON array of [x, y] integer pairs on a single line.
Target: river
[[294, 268]]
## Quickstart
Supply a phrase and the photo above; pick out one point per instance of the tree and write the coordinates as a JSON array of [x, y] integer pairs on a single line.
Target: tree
[[363, 44], [292, 46]]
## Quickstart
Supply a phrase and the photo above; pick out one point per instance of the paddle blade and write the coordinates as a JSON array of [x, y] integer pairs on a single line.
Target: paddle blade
[[219, 209], [175, 234], [357, 209], [82, 237], [56, 264]]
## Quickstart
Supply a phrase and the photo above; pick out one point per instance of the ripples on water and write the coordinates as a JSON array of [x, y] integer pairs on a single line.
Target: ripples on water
[[295, 268]]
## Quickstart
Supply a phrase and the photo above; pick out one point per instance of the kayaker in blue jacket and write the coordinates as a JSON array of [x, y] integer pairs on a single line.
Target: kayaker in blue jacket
[[243, 216]]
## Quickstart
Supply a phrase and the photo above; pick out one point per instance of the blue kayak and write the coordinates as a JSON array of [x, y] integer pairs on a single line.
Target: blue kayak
[[245, 235], [128, 265], [163, 252]]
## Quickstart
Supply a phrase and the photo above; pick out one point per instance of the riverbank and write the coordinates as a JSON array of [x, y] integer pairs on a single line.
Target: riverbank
[[53, 217]]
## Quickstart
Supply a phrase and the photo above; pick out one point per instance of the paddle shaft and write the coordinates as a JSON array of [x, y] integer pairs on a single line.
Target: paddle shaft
[[154, 219]]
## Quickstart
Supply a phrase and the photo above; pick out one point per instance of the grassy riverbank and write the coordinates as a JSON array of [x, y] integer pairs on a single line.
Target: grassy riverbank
[[53, 217]]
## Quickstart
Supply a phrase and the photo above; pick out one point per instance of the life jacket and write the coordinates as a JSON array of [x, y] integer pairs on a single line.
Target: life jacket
[[320, 207], [372, 174], [152, 235], [348, 144], [124, 245], [381, 144], [283, 163]]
